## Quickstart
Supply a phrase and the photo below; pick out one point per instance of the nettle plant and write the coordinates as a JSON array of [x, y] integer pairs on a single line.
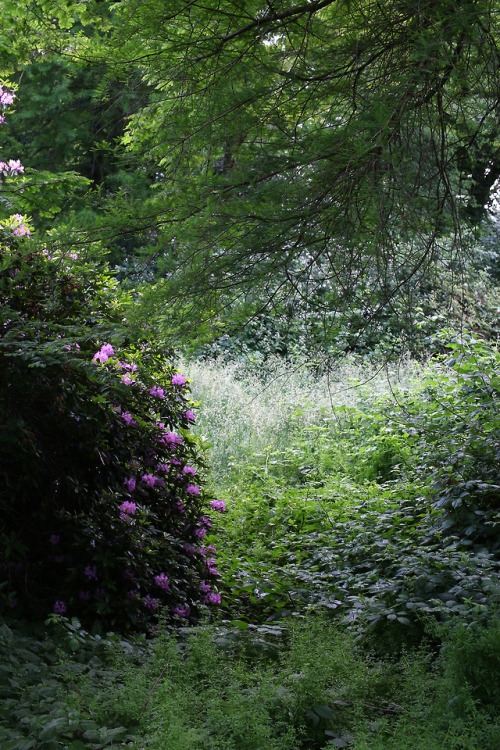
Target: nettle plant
[[102, 513]]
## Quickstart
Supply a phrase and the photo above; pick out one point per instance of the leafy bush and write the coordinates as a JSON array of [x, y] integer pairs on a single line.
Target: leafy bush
[[101, 508], [334, 507], [51, 682], [454, 427], [307, 685]]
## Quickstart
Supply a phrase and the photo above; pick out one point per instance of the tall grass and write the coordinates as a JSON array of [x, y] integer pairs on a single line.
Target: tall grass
[[247, 411]]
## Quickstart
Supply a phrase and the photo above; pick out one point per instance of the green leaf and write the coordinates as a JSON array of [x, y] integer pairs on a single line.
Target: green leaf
[[325, 712]]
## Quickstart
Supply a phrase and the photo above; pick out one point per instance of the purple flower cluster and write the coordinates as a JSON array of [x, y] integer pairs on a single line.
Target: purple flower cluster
[[127, 509], [182, 611], [128, 418], [6, 98], [91, 572], [129, 484], [212, 598], [162, 581], [157, 391], [178, 379], [218, 505], [105, 352], [13, 167], [149, 479]]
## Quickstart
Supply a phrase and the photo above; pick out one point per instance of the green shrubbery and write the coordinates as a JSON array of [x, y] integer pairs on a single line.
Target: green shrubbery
[[102, 511], [339, 506]]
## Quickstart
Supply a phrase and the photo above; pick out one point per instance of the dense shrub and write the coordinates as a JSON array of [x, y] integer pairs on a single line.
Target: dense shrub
[[101, 510], [453, 429]]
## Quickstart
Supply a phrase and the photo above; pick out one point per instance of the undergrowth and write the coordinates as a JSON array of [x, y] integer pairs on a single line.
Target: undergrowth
[[359, 579]]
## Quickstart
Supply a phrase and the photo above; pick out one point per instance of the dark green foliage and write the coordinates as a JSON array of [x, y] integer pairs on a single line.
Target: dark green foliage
[[312, 687], [455, 430], [74, 432], [49, 680], [299, 325], [310, 152]]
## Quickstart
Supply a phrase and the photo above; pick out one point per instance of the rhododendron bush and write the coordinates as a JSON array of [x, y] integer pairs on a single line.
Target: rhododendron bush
[[102, 512], [101, 503]]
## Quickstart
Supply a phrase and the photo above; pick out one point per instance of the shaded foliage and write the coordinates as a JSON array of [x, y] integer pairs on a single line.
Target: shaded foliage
[[101, 516]]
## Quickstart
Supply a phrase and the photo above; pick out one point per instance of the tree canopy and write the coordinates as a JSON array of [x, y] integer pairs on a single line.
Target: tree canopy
[[325, 151], [315, 143]]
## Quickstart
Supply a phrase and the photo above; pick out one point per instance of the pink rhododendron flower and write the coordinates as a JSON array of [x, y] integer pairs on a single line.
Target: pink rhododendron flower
[[188, 470], [91, 572], [178, 379], [15, 166], [205, 587], [183, 610], [129, 484], [108, 350], [188, 414], [128, 380], [100, 357], [162, 467], [213, 598], [105, 352], [219, 505], [200, 533], [128, 419], [172, 438], [149, 479], [128, 507], [59, 608], [162, 581], [6, 98], [149, 602], [192, 489], [157, 391], [180, 506]]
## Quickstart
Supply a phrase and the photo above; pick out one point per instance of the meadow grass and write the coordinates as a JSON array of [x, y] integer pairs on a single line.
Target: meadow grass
[[247, 412]]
